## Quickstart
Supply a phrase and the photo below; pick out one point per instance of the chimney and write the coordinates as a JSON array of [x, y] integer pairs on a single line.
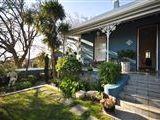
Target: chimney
[[116, 4]]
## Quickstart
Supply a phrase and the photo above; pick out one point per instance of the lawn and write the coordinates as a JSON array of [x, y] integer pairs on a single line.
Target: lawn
[[45, 103]]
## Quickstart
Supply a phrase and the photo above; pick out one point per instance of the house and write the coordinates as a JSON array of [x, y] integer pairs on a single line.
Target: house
[[135, 26]]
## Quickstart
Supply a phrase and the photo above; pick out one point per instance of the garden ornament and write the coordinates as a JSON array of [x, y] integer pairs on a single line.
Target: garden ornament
[[13, 78]]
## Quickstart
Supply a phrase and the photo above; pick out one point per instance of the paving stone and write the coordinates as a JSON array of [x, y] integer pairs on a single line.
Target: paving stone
[[78, 110], [68, 101], [92, 118]]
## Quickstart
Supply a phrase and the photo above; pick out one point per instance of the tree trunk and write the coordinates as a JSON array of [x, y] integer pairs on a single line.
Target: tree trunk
[[53, 62], [28, 61], [64, 46]]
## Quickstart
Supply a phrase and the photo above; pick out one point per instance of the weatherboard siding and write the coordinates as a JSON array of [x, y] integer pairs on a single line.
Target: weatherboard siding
[[88, 47], [119, 37]]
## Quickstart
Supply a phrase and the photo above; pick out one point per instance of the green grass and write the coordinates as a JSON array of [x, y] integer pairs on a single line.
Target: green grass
[[43, 104]]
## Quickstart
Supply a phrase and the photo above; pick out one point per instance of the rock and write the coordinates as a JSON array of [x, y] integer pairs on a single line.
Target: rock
[[92, 93], [80, 94]]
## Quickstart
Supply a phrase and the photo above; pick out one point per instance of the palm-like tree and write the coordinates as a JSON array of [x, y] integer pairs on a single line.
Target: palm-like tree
[[51, 12], [63, 28]]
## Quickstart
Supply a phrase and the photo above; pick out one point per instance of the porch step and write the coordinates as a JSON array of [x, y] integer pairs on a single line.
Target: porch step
[[144, 77], [142, 99], [144, 81], [148, 112], [150, 92], [151, 85]]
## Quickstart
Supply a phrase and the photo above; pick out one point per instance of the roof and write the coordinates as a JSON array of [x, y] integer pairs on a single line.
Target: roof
[[127, 12]]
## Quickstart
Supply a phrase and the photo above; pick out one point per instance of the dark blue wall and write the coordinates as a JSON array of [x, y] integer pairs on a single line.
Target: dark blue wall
[[87, 50], [119, 37], [128, 31]]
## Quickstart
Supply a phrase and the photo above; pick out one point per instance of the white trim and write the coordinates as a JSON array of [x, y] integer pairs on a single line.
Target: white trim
[[87, 42], [138, 49], [157, 50], [107, 47]]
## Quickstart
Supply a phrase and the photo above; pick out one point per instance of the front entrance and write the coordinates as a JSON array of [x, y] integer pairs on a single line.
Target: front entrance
[[147, 48]]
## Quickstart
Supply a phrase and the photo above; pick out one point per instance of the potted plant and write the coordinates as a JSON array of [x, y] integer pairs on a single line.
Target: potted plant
[[124, 56], [108, 104]]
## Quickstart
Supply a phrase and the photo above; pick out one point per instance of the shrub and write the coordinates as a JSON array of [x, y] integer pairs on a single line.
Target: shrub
[[70, 85], [109, 73], [68, 66], [126, 53], [92, 86], [23, 85], [31, 78], [89, 68], [56, 81]]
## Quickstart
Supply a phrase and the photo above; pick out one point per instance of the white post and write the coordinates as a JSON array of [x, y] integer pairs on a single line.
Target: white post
[[107, 37], [79, 48], [107, 30]]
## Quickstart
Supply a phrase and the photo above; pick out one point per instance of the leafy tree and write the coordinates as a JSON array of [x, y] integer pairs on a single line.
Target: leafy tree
[[17, 30], [50, 14]]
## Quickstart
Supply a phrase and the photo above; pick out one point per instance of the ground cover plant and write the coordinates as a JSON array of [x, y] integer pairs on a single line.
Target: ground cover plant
[[45, 103]]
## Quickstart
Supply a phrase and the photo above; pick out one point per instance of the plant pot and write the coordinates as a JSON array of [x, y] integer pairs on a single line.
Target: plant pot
[[125, 67]]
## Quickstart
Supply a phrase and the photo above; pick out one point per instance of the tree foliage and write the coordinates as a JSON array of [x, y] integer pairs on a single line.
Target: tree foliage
[[109, 73], [68, 66], [51, 13]]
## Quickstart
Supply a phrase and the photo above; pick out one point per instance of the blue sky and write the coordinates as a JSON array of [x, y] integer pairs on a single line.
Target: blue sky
[[82, 8], [89, 8]]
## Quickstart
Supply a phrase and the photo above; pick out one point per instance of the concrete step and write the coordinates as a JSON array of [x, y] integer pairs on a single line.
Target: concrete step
[[144, 85], [143, 91], [148, 112], [143, 75], [135, 98], [145, 82]]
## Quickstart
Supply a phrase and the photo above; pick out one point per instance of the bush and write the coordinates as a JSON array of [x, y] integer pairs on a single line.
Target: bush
[[126, 53], [70, 85], [92, 86], [68, 66], [109, 73], [31, 78], [57, 82], [89, 68], [23, 85]]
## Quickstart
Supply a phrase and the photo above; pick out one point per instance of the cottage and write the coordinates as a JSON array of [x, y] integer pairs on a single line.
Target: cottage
[[135, 27]]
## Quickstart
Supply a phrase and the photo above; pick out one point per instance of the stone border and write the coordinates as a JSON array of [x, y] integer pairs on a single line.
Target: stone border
[[24, 90]]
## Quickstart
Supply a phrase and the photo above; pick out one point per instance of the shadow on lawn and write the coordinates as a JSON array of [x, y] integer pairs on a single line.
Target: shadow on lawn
[[34, 107]]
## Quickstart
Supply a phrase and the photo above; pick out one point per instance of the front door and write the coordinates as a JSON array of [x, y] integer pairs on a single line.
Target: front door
[[147, 48]]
